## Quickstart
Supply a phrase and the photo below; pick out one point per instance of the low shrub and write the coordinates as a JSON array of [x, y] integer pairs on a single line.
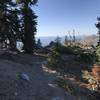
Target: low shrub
[[61, 82], [97, 53], [93, 77], [86, 75]]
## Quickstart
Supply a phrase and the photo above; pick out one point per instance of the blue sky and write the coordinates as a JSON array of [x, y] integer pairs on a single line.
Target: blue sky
[[57, 17]]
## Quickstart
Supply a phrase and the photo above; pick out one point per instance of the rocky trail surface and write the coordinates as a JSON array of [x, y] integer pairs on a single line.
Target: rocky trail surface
[[36, 84], [24, 77]]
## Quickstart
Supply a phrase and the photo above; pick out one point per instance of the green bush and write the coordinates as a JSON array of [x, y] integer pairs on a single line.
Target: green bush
[[97, 53], [70, 49], [61, 82], [55, 56], [66, 50], [54, 59], [87, 57], [86, 75]]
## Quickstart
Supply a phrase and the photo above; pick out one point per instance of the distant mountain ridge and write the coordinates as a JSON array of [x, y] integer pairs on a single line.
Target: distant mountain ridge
[[47, 39], [90, 39]]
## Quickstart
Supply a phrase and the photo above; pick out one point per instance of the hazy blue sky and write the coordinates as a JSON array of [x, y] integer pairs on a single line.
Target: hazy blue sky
[[57, 17]]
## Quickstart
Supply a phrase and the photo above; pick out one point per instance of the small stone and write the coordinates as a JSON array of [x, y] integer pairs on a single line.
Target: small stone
[[24, 76], [57, 98], [15, 93]]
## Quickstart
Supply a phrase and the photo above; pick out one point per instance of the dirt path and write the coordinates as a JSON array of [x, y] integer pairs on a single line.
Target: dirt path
[[41, 85]]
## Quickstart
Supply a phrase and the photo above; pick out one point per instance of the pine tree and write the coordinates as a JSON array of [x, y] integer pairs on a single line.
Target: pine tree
[[97, 51], [29, 24], [98, 26], [66, 40], [57, 44], [74, 38], [54, 59], [9, 23], [14, 25], [3, 20], [39, 44]]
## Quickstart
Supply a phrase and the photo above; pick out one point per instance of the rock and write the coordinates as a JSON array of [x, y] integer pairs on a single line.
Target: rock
[[15, 93], [24, 76], [57, 98]]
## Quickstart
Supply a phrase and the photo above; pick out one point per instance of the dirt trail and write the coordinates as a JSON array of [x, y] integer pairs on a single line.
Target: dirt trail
[[41, 85]]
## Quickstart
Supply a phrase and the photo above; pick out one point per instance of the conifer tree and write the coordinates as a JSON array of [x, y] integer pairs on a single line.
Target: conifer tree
[[97, 51], [14, 25], [9, 23], [54, 59], [3, 20], [66, 40], [39, 44], [98, 26], [29, 24]]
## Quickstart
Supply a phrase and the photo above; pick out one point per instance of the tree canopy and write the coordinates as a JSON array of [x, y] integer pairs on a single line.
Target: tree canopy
[[18, 22]]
